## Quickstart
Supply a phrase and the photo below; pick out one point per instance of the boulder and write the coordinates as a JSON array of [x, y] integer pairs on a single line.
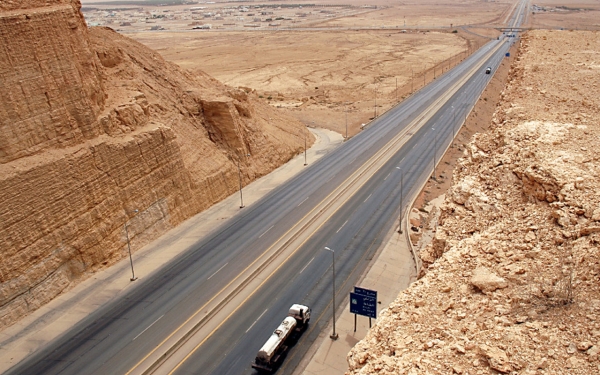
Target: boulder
[[487, 281]]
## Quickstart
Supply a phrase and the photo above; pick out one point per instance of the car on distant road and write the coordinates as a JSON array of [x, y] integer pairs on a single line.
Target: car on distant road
[[488, 70]]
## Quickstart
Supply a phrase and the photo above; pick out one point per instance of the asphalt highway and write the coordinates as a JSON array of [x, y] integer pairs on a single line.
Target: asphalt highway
[[355, 232], [114, 339]]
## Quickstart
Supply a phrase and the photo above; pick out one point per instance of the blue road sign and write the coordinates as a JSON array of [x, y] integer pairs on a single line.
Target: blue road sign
[[363, 305]]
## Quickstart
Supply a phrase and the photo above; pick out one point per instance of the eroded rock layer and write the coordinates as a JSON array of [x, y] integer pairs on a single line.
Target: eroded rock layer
[[51, 92], [511, 282], [97, 131]]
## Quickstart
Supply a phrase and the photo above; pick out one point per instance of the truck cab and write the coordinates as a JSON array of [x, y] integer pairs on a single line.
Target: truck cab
[[300, 312]]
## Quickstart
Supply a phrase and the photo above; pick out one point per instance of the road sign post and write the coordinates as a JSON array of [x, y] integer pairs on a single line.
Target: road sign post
[[363, 302]]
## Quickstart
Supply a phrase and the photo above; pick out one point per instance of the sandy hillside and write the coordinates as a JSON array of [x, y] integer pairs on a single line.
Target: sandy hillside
[[511, 281]]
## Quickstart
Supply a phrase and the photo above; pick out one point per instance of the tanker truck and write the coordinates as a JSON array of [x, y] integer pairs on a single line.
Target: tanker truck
[[272, 352]]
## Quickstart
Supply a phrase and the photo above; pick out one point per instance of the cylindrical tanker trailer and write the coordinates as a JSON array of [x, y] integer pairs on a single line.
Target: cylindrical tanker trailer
[[271, 353]]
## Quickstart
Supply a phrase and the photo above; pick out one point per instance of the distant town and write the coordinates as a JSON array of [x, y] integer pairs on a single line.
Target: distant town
[[210, 15]]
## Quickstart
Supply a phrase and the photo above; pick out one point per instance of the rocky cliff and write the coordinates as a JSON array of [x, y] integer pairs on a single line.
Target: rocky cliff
[[511, 284], [96, 132]]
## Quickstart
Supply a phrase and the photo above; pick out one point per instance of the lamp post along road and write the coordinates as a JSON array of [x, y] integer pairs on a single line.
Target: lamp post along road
[[240, 176], [434, 152], [333, 336], [305, 163], [401, 204], [375, 116], [240, 179], [133, 278], [453, 123], [346, 121]]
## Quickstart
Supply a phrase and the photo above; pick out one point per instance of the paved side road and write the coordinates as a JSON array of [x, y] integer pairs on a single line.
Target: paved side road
[[50, 321]]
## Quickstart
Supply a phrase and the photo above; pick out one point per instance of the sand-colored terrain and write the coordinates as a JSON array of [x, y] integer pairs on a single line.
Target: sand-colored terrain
[[317, 76], [579, 14]]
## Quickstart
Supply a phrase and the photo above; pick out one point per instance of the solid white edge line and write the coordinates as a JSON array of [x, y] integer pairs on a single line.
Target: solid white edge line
[[148, 327], [257, 319], [217, 271]]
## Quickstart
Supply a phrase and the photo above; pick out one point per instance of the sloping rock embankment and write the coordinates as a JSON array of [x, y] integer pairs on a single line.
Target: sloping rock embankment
[[511, 283]]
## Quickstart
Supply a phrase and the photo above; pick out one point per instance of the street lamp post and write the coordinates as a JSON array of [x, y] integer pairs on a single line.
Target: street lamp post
[[375, 101], [333, 336], [240, 178], [133, 278], [401, 203], [434, 152], [305, 163], [453, 123], [346, 121]]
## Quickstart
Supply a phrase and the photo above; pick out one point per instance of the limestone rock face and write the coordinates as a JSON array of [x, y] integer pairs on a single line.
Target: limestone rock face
[[515, 289], [51, 90], [98, 132]]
